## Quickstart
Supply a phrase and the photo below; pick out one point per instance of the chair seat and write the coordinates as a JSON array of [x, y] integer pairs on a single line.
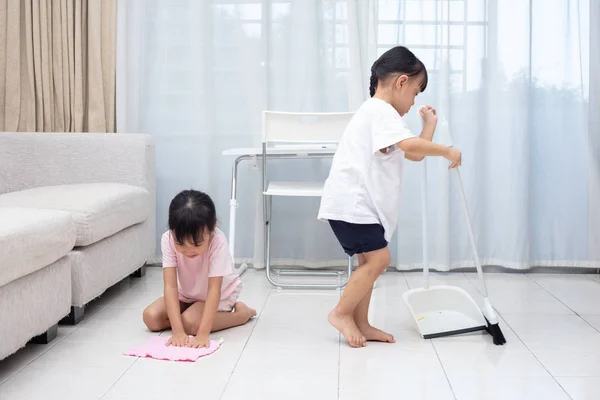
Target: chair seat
[[306, 189]]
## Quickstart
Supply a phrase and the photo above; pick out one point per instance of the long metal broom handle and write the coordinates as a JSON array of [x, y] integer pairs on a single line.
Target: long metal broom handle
[[424, 222], [470, 229]]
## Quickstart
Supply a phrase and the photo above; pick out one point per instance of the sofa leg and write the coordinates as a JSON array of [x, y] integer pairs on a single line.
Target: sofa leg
[[74, 317], [139, 272], [47, 336]]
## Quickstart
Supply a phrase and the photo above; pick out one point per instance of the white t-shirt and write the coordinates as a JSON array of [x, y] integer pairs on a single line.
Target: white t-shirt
[[364, 184]]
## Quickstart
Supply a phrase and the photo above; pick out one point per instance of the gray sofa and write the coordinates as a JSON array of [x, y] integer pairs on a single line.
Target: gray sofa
[[77, 215]]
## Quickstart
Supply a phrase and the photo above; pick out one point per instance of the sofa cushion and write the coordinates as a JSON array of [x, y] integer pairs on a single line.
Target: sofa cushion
[[99, 210], [32, 239]]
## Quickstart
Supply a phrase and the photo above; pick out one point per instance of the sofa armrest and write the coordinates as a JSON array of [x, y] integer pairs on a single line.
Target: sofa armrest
[[29, 160]]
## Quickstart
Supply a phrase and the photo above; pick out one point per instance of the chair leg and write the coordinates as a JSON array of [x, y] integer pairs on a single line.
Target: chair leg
[[267, 212], [349, 266], [268, 242]]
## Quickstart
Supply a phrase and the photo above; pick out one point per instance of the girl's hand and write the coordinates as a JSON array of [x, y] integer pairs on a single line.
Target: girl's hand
[[178, 340], [429, 115], [199, 341], [455, 157]]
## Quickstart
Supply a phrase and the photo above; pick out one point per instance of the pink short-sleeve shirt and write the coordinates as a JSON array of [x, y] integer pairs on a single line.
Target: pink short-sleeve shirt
[[193, 273]]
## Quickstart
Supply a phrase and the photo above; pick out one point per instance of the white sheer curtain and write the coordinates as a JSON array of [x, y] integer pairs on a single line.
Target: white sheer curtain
[[512, 77]]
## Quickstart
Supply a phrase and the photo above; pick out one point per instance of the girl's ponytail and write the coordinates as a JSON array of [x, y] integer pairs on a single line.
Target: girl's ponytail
[[373, 83]]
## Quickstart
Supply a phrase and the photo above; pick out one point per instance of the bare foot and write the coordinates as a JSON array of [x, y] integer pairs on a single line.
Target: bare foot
[[346, 326], [376, 335], [242, 308]]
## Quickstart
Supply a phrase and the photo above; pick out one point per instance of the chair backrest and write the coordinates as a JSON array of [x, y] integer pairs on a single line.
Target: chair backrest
[[285, 127]]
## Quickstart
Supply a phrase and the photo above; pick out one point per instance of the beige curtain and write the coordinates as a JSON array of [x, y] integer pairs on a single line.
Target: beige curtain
[[57, 65]]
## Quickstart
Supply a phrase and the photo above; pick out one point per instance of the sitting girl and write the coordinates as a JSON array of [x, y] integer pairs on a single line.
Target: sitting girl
[[201, 286]]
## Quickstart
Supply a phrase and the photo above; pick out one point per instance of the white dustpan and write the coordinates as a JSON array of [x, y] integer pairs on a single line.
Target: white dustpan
[[442, 310]]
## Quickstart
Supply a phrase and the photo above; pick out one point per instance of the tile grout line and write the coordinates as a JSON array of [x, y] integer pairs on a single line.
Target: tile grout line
[[507, 324], [534, 355], [433, 343], [119, 378], [140, 281], [405, 280], [55, 342], [103, 308], [561, 302], [111, 302], [444, 369], [550, 293], [49, 347], [574, 312], [472, 282], [522, 341], [268, 294], [246, 344]]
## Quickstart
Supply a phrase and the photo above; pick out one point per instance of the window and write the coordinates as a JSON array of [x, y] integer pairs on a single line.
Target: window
[[435, 30]]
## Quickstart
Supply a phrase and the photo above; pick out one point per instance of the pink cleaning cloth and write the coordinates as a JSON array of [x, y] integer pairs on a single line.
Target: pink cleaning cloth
[[156, 347]]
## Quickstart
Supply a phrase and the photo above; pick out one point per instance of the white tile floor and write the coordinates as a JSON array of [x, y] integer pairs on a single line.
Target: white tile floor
[[551, 322]]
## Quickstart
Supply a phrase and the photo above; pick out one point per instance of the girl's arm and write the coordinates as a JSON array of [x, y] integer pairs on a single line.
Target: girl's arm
[[427, 134], [210, 312], [429, 116], [419, 147], [173, 308]]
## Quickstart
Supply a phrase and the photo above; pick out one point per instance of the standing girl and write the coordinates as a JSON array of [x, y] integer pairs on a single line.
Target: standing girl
[[361, 196]]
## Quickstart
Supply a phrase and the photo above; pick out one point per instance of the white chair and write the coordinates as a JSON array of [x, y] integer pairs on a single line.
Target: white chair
[[303, 131]]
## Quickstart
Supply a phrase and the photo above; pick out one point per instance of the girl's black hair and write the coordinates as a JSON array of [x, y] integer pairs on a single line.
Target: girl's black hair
[[398, 59], [190, 213]]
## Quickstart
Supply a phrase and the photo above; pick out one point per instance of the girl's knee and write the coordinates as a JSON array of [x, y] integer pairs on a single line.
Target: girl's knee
[[190, 324], [152, 320], [380, 259], [386, 260]]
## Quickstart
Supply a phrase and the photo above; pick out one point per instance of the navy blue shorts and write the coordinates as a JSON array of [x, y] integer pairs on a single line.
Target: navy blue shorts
[[359, 238]]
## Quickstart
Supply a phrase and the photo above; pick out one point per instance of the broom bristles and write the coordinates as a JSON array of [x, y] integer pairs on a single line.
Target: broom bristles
[[496, 333]]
